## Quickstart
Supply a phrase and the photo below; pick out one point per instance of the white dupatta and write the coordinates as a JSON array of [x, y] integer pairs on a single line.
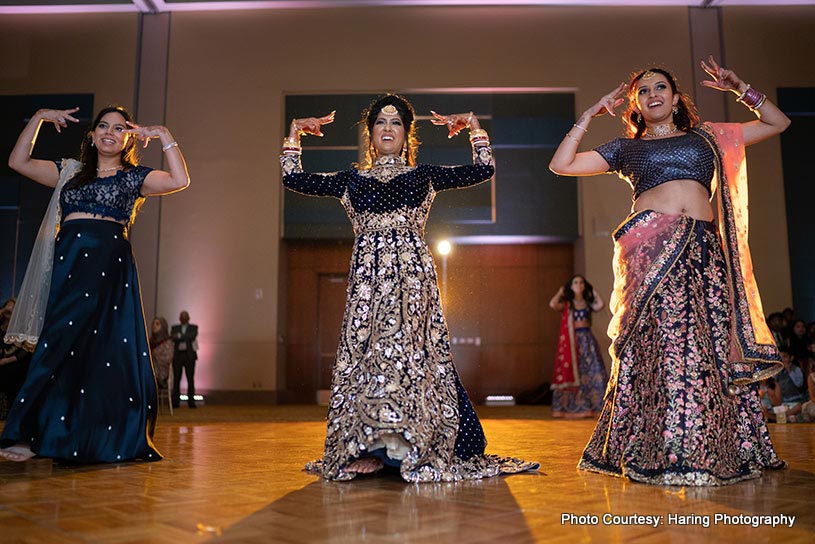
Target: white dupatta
[[29, 312]]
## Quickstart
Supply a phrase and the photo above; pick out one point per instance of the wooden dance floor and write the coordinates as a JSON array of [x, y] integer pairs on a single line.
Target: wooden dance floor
[[233, 474]]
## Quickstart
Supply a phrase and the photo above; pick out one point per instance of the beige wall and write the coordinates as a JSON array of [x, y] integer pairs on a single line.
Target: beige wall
[[769, 48], [229, 72], [89, 53]]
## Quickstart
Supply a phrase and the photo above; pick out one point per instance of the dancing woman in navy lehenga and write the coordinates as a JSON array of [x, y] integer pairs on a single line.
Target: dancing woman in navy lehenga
[[90, 392], [396, 398]]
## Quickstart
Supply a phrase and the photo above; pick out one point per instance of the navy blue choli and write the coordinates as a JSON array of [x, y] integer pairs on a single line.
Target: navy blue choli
[[90, 392]]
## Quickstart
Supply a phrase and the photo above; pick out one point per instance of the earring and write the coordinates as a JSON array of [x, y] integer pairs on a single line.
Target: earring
[[675, 110], [92, 144]]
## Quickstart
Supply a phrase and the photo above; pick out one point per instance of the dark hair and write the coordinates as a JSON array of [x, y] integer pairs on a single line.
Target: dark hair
[[588, 290], [796, 322], [160, 336], [685, 118], [408, 116], [89, 156]]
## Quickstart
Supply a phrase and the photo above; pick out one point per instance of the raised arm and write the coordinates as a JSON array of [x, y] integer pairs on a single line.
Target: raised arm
[[294, 178], [160, 182], [567, 161], [483, 167], [771, 120], [598, 303], [44, 172], [557, 301]]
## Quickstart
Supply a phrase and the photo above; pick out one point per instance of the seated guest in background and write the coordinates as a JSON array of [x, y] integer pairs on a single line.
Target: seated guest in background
[[787, 395], [787, 319], [808, 409], [13, 363], [799, 345], [184, 356], [161, 348], [776, 323]]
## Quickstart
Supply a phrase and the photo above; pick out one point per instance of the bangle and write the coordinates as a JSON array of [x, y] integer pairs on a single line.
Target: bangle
[[478, 133], [752, 98], [291, 146], [572, 137], [741, 96], [584, 129], [167, 147]]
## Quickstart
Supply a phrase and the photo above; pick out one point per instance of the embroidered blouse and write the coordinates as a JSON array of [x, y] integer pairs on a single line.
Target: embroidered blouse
[[118, 196], [389, 186]]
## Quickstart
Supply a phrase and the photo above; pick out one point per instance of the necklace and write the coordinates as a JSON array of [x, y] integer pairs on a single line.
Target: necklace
[[100, 170], [386, 168], [658, 131]]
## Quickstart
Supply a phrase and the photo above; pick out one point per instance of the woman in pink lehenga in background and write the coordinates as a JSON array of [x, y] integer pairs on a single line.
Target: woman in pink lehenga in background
[[580, 374], [689, 340]]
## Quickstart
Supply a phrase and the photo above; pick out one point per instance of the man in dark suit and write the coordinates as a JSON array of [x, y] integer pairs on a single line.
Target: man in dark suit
[[184, 357]]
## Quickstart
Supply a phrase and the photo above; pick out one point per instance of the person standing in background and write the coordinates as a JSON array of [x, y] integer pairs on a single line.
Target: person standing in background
[[184, 356]]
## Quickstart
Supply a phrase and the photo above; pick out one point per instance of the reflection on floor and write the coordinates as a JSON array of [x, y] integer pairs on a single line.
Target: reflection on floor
[[233, 474]]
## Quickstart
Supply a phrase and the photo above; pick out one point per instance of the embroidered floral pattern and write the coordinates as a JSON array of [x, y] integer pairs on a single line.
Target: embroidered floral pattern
[[667, 417], [394, 373]]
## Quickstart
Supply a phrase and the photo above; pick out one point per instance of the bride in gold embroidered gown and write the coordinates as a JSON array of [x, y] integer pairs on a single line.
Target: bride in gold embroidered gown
[[396, 398]]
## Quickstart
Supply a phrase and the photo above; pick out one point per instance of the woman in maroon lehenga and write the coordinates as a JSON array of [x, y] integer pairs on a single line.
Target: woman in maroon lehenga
[[688, 336]]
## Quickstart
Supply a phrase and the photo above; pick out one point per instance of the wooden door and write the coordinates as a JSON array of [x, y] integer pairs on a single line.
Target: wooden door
[[330, 308]]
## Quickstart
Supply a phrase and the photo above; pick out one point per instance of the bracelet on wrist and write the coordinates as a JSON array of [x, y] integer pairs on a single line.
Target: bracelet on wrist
[[752, 98], [568, 135], [584, 129], [291, 146], [166, 147], [478, 133]]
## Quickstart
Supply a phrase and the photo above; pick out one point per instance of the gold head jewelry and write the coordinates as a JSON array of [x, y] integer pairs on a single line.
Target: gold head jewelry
[[390, 109], [648, 75]]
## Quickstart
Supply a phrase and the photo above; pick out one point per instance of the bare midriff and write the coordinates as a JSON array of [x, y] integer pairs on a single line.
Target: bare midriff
[[83, 215], [677, 197]]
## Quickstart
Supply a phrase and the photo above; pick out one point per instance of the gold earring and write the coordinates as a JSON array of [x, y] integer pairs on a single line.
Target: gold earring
[[675, 110]]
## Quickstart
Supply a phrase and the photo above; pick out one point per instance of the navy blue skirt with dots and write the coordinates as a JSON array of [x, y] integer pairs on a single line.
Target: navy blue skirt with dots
[[90, 392]]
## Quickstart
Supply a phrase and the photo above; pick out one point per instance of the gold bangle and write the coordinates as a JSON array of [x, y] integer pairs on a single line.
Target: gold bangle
[[291, 142], [572, 137], [479, 132]]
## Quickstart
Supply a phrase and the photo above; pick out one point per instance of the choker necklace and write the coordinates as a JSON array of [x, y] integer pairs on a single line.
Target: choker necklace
[[100, 170], [386, 160], [386, 167], [658, 131]]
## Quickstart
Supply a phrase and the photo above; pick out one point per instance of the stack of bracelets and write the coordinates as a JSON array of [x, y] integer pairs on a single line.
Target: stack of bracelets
[[752, 98], [479, 138], [291, 146]]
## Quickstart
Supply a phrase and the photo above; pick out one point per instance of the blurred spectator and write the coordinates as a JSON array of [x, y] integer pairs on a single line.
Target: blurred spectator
[[161, 348], [799, 345], [776, 323], [786, 391], [808, 409], [185, 336], [13, 362]]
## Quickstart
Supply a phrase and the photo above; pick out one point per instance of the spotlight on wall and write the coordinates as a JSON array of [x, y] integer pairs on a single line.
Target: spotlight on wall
[[444, 247]]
